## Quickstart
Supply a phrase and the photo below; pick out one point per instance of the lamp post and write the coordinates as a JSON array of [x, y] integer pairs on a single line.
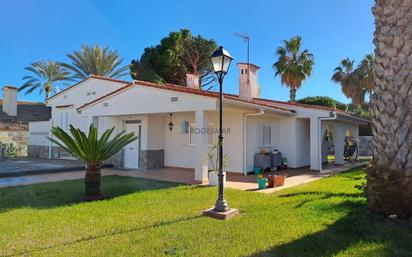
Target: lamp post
[[221, 60]]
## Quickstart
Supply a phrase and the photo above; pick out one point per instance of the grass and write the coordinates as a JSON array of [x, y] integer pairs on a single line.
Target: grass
[[150, 218]]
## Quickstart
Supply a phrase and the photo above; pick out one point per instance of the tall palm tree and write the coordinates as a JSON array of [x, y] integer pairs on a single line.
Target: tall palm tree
[[92, 150], [343, 75], [293, 65], [389, 180], [45, 77], [94, 60], [355, 83], [364, 73]]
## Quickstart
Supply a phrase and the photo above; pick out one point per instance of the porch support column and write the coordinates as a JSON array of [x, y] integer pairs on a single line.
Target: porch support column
[[315, 144], [201, 146], [339, 132]]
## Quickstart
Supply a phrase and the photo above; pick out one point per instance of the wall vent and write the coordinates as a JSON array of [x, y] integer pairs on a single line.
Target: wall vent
[[105, 104], [174, 99]]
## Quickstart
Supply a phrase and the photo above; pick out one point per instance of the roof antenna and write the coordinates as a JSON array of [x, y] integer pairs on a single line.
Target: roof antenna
[[246, 39]]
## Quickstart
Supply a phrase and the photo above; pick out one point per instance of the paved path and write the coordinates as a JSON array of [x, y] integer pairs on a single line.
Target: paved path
[[185, 176], [21, 166]]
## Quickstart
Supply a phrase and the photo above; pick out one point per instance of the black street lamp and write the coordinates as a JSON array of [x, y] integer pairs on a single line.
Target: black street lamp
[[221, 60]]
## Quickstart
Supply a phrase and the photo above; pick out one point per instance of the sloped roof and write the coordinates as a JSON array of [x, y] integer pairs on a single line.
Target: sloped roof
[[268, 103], [181, 89], [91, 76]]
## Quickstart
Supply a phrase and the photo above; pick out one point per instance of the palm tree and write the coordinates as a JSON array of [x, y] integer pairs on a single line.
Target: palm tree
[[45, 77], [343, 75], [364, 73], [91, 150], [293, 65], [94, 60], [389, 180], [355, 83]]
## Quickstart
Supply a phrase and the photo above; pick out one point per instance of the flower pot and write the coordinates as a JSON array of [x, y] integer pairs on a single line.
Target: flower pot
[[271, 181], [279, 180], [214, 178], [262, 183]]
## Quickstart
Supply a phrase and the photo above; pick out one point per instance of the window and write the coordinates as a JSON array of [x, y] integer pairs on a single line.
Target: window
[[184, 127], [133, 121], [266, 135]]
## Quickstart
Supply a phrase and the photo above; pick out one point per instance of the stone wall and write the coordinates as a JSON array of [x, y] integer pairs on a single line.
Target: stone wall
[[152, 159], [20, 138]]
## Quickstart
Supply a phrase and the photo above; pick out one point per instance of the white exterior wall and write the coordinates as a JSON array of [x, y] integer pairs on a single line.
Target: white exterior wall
[[254, 137], [302, 143], [180, 153], [147, 100], [155, 132], [233, 140], [38, 132], [82, 93]]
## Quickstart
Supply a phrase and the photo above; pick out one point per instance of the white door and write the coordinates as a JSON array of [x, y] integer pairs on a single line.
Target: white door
[[131, 152]]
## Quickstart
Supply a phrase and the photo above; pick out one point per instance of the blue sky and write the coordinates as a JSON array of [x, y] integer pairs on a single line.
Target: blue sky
[[331, 30]]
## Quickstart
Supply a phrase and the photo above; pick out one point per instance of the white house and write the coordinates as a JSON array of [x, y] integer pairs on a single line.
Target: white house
[[145, 108]]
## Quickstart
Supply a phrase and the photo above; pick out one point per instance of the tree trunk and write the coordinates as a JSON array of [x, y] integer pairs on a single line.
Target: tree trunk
[[292, 95], [389, 188], [92, 181]]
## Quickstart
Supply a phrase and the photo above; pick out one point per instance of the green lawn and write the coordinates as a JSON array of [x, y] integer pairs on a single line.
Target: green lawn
[[324, 218]]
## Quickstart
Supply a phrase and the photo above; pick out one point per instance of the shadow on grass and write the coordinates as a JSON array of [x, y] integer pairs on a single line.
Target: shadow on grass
[[55, 194], [114, 233], [357, 229]]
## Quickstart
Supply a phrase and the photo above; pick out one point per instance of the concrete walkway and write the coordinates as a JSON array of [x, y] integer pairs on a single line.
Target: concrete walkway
[[23, 166], [186, 176]]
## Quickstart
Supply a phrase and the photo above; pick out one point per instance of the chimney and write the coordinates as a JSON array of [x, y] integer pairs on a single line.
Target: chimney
[[192, 81], [250, 90], [10, 100]]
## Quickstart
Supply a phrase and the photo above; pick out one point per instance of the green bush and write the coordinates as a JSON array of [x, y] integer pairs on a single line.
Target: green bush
[[323, 101], [10, 149]]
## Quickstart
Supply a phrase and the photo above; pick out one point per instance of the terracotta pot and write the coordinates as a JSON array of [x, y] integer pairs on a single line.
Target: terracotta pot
[[271, 181], [279, 180]]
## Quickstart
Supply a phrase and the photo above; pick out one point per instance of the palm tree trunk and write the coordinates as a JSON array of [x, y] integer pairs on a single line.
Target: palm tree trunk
[[292, 94], [92, 181], [389, 188]]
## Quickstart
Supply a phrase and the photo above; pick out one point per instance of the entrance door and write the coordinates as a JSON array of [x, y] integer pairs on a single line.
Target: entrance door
[[132, 150]]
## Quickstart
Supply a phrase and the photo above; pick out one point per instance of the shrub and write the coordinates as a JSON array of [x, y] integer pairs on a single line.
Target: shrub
[[323, 101]]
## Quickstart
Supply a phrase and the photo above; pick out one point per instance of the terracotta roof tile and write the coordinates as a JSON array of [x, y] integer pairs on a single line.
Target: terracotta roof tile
[[182, 89], [269, 103]]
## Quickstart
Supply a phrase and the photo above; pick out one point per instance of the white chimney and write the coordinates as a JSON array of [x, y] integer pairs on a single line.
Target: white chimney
[[251, 89], [192, 81], [10, 100]]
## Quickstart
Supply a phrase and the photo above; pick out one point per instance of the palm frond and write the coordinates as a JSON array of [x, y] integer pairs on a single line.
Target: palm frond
[[89, 147], [94, 60], [44, 76]]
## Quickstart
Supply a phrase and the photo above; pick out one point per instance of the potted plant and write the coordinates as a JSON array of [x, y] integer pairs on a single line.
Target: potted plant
[[213, 159], [261, 180], [279, 180]]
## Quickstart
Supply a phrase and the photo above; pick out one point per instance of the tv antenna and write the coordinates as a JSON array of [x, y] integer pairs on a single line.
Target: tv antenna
[[246, 39]]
